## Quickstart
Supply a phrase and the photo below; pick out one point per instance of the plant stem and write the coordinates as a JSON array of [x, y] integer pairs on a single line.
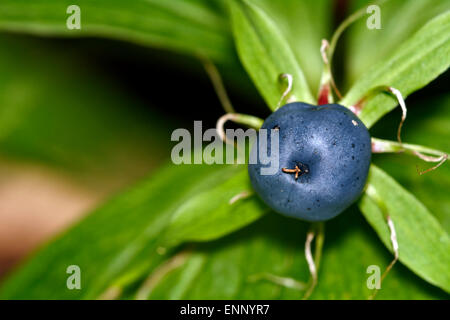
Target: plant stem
[[424, 153], [387, 146], [316, 231]]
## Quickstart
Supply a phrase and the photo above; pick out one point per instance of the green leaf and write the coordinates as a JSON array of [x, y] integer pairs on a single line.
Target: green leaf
[[424, 246], [430, 128], [265, 53], [121, 237], [364, 45], [215, 212], [193, 27], [417, 61], [228, 268]]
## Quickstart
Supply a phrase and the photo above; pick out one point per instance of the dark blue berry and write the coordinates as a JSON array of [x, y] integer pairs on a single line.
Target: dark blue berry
[[324, 159]]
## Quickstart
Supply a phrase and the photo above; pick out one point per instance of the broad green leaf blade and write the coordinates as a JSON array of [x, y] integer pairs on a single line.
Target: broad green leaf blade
[[424, 246], [118, 238], [215, 212], [430, 128], [192, 27], [265, 53], [304, 24], [229, 268], [365, 46], [417, 62]]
